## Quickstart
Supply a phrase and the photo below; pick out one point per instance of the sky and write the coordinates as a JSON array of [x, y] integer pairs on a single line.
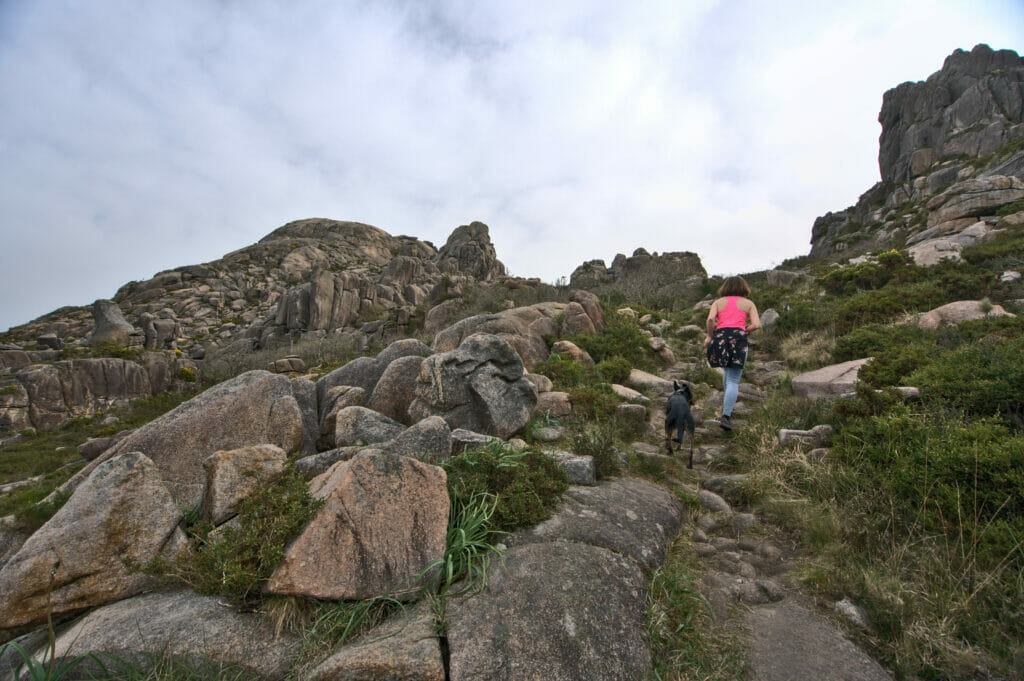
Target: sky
[[141, 135]]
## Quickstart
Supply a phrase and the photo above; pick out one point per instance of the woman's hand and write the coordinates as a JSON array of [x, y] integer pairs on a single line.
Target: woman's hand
[[707, 341]]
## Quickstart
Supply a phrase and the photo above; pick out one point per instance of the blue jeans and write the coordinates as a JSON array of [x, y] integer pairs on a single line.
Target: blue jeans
[[731, 380]]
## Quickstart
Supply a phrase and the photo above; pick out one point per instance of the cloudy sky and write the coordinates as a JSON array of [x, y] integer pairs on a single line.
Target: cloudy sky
[[139, 135]]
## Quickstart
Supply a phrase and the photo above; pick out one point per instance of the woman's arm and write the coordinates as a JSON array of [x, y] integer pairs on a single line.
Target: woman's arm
[[712, 322], [754, 323]]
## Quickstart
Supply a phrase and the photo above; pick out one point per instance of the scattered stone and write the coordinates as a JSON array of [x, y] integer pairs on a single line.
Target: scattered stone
[[287, 365], [315, 464], [722, 483], [580, 469], [395, 389], [818, 454], [629, 394], [713, 502], [704, 549], [463, 439], [573, 352], [853, 613], [698, 535], [744, 522], [819, 436], [548, 433], [643, 381], [633, 417], [555, 402], [542, 382], [336, 399], [429, 440], [478, 386], [111, 328], [1010, 276]]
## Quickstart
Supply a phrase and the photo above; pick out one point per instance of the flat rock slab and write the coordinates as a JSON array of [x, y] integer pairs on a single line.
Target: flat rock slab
[[553, 610], [830, 381], [789, 642], [183, 625], [631, 517]]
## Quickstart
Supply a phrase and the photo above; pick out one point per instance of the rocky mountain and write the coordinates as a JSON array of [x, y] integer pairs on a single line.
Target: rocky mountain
[[951, 157], [309, 276]]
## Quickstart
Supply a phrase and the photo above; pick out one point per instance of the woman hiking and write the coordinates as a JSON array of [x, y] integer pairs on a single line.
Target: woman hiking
[[731, 317]]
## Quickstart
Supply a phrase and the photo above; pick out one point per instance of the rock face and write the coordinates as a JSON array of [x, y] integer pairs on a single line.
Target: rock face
[[664, 276], [944, 159], [183, 625], [255, 408], [385, 518], [631, 517], [478, 386], [405, 648], [971, 106], [120, 517], [552, 611]]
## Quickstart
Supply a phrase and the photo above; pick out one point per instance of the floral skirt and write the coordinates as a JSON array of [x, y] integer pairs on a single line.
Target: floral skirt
[[728, 348]]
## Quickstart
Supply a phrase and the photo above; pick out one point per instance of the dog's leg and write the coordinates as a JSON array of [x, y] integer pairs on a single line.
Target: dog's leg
[[690, 465]]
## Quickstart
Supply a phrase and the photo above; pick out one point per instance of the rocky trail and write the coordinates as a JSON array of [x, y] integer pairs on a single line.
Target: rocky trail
[[745, 560]]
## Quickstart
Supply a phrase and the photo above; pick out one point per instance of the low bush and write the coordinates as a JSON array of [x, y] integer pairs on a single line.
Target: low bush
[[597, 439], [236, 561], [615, 369], [622, 337], [982, 379], [527, 484]]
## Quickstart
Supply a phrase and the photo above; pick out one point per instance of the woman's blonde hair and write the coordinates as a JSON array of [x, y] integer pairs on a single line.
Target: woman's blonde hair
[[734, 286]]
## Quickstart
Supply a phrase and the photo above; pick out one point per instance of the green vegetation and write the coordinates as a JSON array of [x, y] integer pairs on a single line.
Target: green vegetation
[[235, 561], [685, 643], [526, 484]]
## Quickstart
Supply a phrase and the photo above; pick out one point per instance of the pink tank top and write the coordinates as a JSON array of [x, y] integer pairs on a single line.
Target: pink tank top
[[731, 316]]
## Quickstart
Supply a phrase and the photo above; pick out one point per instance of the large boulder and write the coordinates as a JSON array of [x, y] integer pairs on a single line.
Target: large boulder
[[111, 328], [362, 426], [829, 382], [364, 372], [523, 327], [90, 551], [254, 408], [631, 517], [384, 520], [233, 475], [337, 398], [478, 386], [185, 626], [429, 440], [557, 610], [395, 390], [959, 312]]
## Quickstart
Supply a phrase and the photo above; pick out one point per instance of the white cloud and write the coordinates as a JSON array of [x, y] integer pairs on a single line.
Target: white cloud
[[138, 136]]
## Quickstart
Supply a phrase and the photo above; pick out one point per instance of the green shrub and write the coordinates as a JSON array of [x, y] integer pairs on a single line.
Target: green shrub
[[187, 374], [982, 379], [594, 401], [117, 351], [1011, 208], [598, 440], [527, 484], [874, 339], [622, 337], [893, 366], [565, 373], [236, 561], [615, 369]]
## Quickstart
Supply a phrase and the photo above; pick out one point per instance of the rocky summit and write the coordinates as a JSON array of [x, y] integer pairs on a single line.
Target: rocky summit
[[950, 156]]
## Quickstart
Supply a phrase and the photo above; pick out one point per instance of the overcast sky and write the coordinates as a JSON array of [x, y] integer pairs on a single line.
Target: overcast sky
[[137, 135]]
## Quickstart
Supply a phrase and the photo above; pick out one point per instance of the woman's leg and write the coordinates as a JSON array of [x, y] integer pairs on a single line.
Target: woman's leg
[[732, 388]]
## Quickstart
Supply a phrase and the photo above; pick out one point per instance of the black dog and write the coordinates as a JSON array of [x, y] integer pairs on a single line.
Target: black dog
[[679, 417]]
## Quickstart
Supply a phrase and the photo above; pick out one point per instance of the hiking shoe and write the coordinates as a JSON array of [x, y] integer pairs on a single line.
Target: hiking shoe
[[677, 440], [725, 423]]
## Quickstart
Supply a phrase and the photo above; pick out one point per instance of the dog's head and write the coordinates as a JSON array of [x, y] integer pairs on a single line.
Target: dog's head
[[684, 390]]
